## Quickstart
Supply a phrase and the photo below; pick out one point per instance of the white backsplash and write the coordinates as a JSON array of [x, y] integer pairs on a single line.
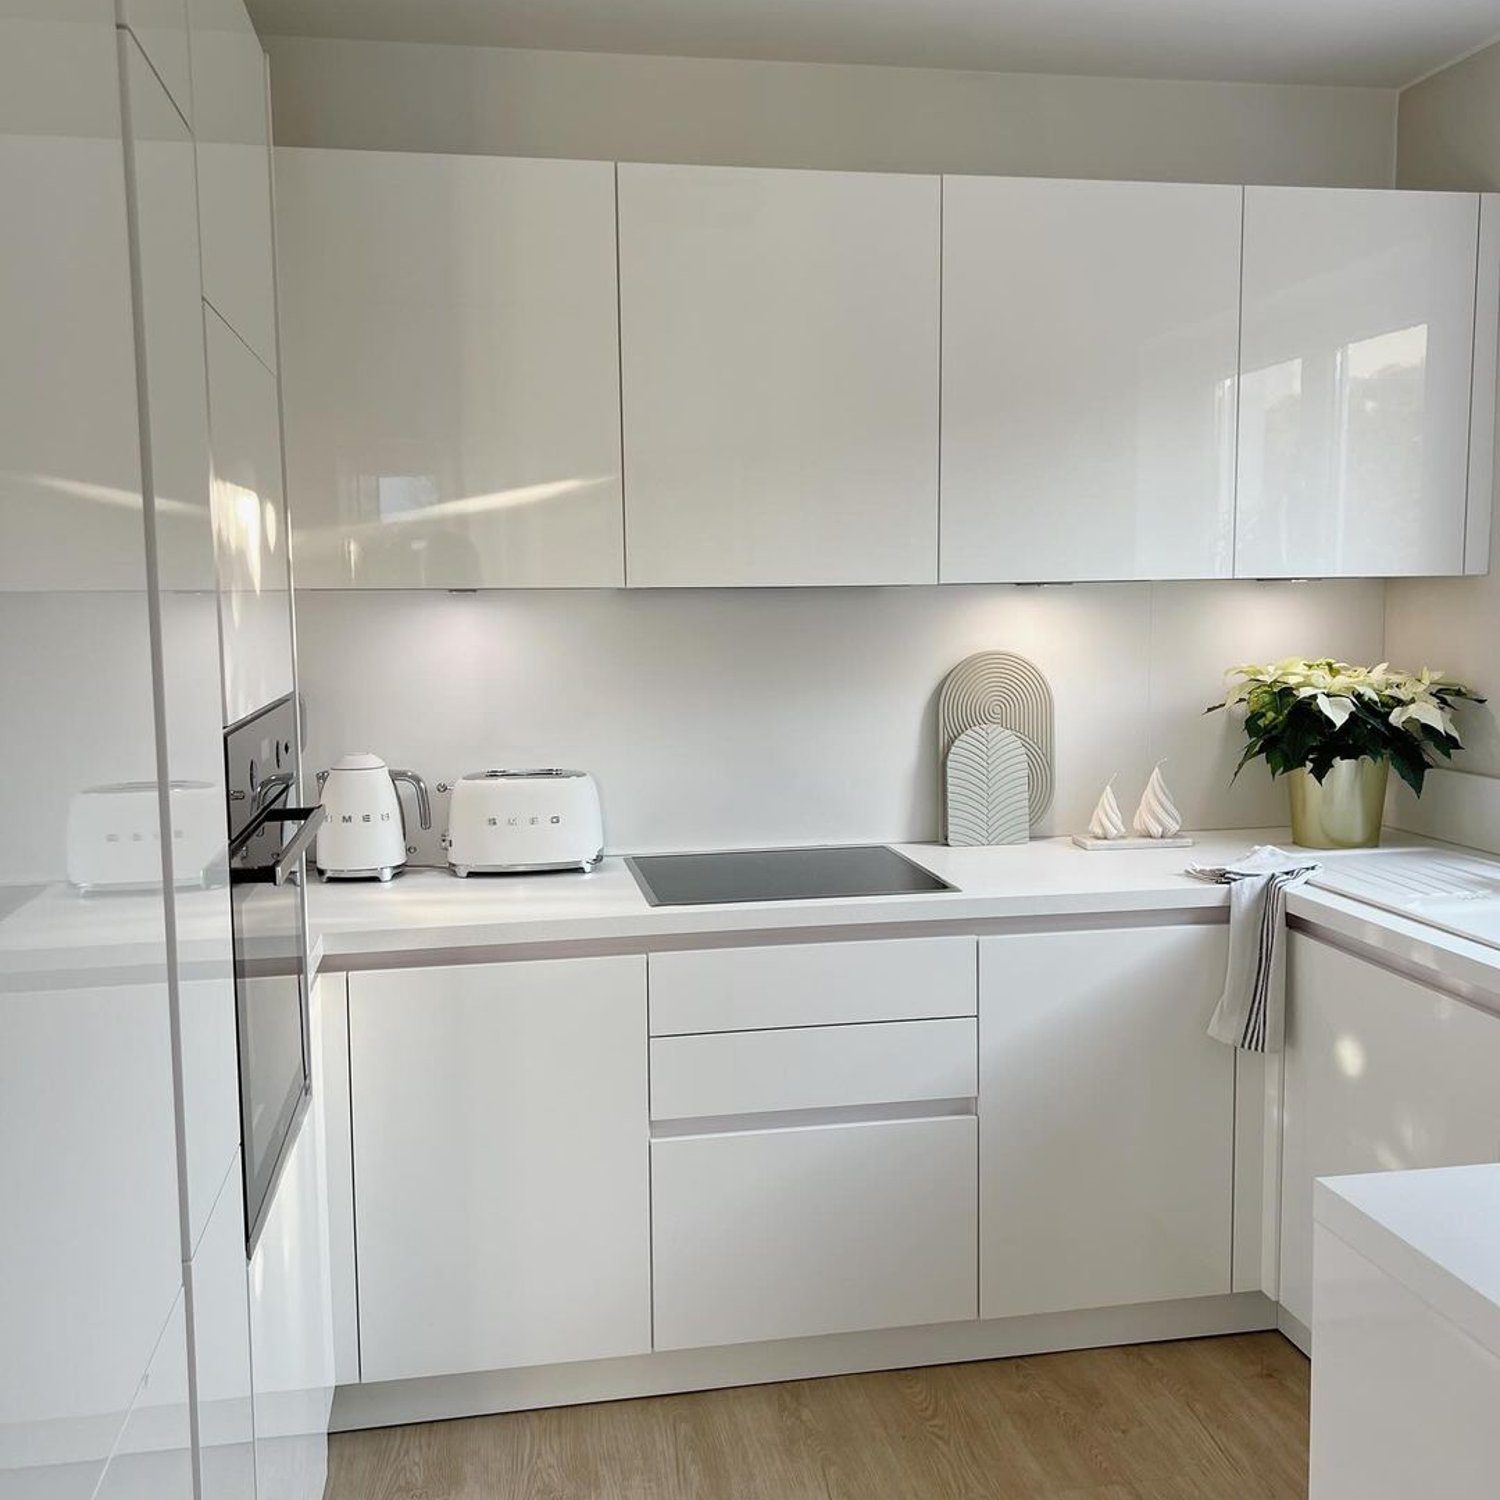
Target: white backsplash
[[778, 716]]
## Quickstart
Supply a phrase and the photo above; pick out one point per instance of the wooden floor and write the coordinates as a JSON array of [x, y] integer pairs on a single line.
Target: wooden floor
[[1203, 1419]]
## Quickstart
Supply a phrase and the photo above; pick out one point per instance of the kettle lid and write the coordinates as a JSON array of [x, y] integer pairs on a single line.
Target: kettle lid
[[361, 762]]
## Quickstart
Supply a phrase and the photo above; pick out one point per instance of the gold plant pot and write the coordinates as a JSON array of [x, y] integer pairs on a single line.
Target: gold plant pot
[[1344, 810]]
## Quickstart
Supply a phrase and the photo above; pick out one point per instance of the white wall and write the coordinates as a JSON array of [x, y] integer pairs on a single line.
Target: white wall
[[799, 716], [411, 97], [1450, 138], [764, 716]]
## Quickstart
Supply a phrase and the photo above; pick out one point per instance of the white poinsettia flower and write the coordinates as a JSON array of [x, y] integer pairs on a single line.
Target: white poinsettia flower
[[1336, 709], [1425, 711]]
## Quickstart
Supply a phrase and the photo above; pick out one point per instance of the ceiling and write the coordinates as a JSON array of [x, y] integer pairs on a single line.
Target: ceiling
[[1386, 43]]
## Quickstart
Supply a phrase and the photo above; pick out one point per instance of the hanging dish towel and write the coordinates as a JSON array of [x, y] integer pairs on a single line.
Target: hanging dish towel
[[1251, 1013]]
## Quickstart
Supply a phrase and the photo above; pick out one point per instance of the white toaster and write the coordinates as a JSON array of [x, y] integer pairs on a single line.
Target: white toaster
[[515, 821]]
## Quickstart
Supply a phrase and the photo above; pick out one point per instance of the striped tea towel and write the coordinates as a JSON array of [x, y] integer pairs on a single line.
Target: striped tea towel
[[1251, 1013]]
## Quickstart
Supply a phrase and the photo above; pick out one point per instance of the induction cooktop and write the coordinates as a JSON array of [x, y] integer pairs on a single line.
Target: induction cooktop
[[780, 875]]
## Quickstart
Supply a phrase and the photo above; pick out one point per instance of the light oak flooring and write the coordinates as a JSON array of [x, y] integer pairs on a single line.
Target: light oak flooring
[[1205, 1419]]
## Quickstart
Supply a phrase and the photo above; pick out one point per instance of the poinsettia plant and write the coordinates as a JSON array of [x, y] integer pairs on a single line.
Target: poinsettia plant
[[1308, 714]]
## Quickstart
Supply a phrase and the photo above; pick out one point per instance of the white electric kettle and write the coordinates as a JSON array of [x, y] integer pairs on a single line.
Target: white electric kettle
[[364, 834]]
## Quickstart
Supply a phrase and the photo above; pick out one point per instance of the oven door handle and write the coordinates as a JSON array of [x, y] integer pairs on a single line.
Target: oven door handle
[[290, 857]]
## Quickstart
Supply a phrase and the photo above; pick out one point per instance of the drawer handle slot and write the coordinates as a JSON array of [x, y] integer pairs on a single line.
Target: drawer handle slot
[[814, 1119]]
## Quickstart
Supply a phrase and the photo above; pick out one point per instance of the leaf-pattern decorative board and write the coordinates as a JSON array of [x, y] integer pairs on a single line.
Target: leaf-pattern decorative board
[[1002, 689], [989, 788]]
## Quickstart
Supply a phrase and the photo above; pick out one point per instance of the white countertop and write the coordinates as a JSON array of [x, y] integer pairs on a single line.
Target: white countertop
[[1437, 1232], [431, 910]]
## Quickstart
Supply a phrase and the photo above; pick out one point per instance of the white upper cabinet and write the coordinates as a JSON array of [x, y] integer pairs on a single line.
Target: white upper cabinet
[[1357, 358], [1090, 331], [161, 28], [249, 520], [451, 330], [231, 124], [779, 342]]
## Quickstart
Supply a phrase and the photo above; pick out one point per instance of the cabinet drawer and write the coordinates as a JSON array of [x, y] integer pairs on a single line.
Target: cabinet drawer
[[820, 1067], [768, 1234], [813, 984]]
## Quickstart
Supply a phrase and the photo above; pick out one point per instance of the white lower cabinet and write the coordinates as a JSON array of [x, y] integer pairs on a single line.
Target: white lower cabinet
[[786, 1232], [219, 1287], [500, 1165], [1381, 1073], [1107, 1120]]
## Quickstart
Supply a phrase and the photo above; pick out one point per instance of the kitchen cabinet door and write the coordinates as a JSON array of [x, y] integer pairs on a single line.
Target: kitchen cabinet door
[[174, 400], [779, 346], [1381, 1074], [451, 331], [291, 1316], [500, 1165], [1090, 332], [819, 1228], [231, 123], [1355, 374], [218, 1283], [249, 520], [1107, 1120]]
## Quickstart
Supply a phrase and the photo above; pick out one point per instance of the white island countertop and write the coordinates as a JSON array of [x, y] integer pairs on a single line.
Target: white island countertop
[[427, 911], [1437, 1232]]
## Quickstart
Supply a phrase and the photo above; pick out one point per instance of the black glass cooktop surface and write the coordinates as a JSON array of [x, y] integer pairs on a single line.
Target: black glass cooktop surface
[[780, 875]]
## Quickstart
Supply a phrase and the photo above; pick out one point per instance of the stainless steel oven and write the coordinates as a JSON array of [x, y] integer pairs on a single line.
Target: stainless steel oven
[[268, 841]]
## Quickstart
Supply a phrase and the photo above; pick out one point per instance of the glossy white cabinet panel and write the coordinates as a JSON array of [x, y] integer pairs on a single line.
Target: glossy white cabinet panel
[[811, 1067], [1107, 1120], [1403, 1401], [1486, 396], [451, 343], [331, 1089], [1381, 1074], [90, 1240], [219, 1290], [811, 984], [1090, 333], [249, 519], [779, 346], [231, 123], [500, 1164], [767, 1234], [174, 401], [291, 1327], [153, 1459], [161, 28], [1356, 363], [70, 501]]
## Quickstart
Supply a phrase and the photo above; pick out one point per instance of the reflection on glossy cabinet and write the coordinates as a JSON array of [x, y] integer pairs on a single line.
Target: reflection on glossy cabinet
[[161, 28], [1107, 1115], [219, 1290], [291, 1318], [779, 339], [500, 1164], [174, 400], [249, 519], [153, 1457], [452, 370], [1090, 332], [1357, 359], [1381, 1074], [231, 123]]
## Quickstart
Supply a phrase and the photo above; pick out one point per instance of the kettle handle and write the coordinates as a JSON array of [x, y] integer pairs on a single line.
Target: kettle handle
[[424, 807]]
